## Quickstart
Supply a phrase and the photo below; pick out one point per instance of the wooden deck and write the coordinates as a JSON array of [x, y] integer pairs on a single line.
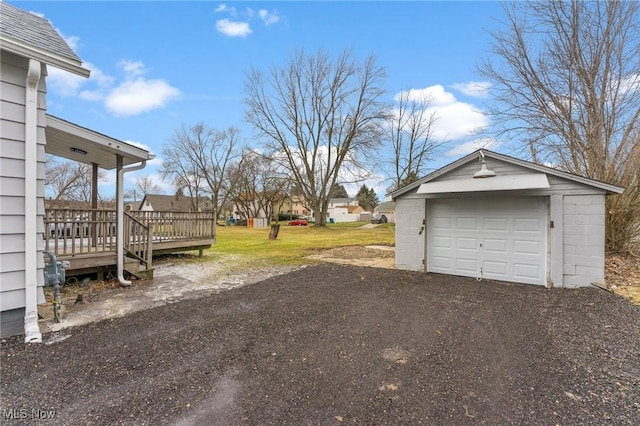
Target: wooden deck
[[87, 238]]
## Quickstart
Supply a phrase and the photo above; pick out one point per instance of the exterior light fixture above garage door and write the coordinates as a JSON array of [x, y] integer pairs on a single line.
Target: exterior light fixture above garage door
[[484, 172]]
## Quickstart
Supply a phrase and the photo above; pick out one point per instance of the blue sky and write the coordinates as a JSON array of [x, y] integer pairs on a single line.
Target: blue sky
[[159, 65]]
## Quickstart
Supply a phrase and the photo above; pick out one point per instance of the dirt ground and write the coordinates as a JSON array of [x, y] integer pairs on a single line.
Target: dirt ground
[[334, 344], [183, 276]]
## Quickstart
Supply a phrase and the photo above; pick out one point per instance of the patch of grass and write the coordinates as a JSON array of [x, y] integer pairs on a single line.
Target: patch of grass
[[630, 293], [295, 242]]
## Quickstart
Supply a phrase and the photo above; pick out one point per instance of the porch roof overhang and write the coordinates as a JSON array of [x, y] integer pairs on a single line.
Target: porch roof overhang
[[77, 143], [496, 183]]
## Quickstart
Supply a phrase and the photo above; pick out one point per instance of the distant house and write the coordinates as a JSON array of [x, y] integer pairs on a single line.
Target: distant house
[[29, 45], [299, 206], [344, 209], [169, 203], [341, 202], [388, 209]]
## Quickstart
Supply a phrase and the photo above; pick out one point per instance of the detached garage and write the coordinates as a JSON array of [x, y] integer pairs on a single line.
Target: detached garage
[[491, 216]]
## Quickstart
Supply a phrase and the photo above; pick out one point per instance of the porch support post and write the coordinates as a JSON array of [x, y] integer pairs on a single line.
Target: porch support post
[[120, 213], [120, 220], [94, 205]]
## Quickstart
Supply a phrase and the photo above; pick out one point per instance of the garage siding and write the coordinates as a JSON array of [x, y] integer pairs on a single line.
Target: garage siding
[[410, 243], [583, 240]]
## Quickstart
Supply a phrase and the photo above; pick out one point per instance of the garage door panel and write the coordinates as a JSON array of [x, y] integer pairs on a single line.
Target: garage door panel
[[441, 223], [441, 264], [495, 269], [526, 225], [497, 237], [467, 243], [528, 273], [441, 242], [495, 245], [495, 224], [467, 266], [526, 247], [467, 224]]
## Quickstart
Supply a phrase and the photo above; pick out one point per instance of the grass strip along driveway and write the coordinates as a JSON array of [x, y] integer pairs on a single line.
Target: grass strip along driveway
[[332, 345]]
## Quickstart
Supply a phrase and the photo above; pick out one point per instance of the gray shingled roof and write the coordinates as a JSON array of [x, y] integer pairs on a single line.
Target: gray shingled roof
[[33, 30], [168, 203]]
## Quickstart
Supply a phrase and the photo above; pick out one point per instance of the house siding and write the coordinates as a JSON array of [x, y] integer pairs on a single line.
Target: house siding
[[576, 252], [13, 71]]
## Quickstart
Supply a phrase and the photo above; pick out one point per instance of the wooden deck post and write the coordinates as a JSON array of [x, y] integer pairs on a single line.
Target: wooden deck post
[[149, 245]]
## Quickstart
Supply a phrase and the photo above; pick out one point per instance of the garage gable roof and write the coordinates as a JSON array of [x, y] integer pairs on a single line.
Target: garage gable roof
[[613, 189]]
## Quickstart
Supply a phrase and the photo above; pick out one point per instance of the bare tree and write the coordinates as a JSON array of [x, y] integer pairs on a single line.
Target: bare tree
[[260, 188], [143, 185], [68, 180], [567, 80], [410, 130], [320, 118], [199, 158]]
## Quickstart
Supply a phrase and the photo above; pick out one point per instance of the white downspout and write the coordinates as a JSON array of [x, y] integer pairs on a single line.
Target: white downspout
[[120, 215], [31, 328]]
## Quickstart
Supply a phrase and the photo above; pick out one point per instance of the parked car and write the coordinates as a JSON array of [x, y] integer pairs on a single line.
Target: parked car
[[298, 222], [379, 218]]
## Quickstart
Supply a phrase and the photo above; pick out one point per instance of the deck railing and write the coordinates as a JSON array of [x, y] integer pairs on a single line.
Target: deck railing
[[80, 231], [139, 243], [71, 232], [171, 226]]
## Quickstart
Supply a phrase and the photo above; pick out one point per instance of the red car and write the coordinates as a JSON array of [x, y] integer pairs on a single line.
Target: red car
[[298, 222]]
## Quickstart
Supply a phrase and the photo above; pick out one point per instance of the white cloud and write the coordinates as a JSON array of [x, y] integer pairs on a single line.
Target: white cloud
[[630, 83], [157, 161], [64, 83], [455, 119], [474, 145], [267, 17], [132, 68], [134, 97], [72, 41], [476, 89], [224, 8], [436, 95], [233, 28]]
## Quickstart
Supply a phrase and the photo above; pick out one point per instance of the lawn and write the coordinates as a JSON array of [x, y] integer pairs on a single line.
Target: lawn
[[295, 242]]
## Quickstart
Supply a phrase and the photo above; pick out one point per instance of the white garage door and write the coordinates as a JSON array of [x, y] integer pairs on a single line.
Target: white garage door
[[497, 238]]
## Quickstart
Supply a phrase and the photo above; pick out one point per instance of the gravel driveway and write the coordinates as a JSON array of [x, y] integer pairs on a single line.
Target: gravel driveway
[[334, 344]]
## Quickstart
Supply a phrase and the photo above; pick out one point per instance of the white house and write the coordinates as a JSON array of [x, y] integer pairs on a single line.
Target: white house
[[504, 219], [29, 45]]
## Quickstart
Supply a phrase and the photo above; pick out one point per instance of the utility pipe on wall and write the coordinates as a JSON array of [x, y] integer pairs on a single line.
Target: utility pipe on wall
[[120, 214], [31, 328]]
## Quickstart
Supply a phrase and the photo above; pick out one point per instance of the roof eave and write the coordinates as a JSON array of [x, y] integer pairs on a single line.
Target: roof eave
[[131, 154], [23, 49], [612, 189]]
